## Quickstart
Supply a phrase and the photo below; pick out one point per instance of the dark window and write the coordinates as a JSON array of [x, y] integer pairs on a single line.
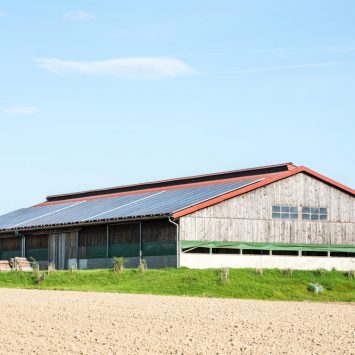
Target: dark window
[[314, 214], [285, 252], [338, 254], [225, 251], [197, 250], [284, 212], [314, 253], [255, 252]]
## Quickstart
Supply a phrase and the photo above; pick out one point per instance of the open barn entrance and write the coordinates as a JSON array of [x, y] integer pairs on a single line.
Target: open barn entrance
[[63, 250]]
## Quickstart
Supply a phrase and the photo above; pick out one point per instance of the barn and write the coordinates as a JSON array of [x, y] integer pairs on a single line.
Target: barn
[[278, 216]]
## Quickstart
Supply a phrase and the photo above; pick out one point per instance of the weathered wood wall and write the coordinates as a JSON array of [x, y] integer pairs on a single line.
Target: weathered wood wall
[[61, 248], [37, 241], [12, 243], [93, 239], [249, 217], [158, 231], [124, 233]]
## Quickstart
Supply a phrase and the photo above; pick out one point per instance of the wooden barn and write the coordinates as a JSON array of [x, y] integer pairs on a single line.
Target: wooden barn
[[279, 216]]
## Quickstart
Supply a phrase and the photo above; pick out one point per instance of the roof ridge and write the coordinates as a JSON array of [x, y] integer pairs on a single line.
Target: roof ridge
[[177, 181]]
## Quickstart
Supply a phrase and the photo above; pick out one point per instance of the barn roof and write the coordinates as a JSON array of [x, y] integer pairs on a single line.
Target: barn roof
[[168, 198]]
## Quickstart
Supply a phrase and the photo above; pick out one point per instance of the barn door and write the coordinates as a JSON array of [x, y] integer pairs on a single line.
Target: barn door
[[63, 249], [57, 251]]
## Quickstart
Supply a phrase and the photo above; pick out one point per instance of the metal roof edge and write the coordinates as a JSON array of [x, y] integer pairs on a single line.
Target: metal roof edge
[[151, 184]]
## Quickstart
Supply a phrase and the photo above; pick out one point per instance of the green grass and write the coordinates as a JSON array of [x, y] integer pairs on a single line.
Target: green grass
[[243, 283]]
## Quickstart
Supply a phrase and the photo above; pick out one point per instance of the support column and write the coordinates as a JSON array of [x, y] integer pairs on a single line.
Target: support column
[[140, 242], [107, 244], [23, 247]]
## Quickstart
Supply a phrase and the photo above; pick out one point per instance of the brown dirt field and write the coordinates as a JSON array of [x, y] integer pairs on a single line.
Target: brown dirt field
[[47, 322]]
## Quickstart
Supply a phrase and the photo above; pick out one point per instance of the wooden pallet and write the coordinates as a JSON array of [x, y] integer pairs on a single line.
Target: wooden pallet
[[4, 265], [20, 264]]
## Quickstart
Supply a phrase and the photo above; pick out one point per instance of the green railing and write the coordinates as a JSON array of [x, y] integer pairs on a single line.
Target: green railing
[[343, 248]]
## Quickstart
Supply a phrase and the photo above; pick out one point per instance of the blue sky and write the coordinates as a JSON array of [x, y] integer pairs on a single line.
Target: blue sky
[[102, 93]]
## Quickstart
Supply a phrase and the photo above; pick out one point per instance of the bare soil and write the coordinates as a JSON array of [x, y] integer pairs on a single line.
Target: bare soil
[[50, 322]]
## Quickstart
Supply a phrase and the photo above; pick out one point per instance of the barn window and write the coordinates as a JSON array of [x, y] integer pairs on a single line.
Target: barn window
[[314, 214], [284, 212]]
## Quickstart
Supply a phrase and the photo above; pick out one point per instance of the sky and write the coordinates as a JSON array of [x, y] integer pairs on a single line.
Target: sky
[[96, 94]]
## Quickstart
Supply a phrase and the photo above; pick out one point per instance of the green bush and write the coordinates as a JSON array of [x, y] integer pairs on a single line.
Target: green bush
[[286, 272], [142, 266], [320, 272], [224, 275], [118, 264]]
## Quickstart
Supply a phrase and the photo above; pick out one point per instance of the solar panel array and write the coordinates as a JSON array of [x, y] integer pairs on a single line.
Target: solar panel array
[[144, 204]]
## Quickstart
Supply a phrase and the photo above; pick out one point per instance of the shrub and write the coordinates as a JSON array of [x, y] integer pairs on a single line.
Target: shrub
[[224, 275], [37, 275], [320, 272], [286, 272], [259, 272], [142, 266], [316, 288], [118, 264]]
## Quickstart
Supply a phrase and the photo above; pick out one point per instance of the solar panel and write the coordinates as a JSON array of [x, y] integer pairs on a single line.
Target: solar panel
[[22, 215], [162, 202]]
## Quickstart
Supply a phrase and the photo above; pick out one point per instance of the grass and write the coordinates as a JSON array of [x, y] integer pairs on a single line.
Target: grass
[[242, 283]]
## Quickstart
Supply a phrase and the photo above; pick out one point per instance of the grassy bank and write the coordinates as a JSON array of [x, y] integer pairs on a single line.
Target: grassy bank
[[242, 283]]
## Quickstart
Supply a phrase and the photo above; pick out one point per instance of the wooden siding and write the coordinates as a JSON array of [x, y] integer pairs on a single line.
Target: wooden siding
[[93, 239], [124, 233], [13, 243], [158, 231], [92, 235], [37, 241], [248, 217], [62, 247]]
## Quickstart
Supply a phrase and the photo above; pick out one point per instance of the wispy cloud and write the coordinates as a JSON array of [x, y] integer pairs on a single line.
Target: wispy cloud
[[274, 68], [21, 110], [78, 15], [2, 13], [131, 68]]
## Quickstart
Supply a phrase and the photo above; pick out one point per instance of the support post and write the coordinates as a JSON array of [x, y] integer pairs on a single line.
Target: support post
[[107, 243], [140, 242], [23, 246], [77, 251], [177, 241]]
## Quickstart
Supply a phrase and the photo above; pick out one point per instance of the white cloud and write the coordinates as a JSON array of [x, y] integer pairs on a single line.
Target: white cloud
[[21, 110], [2, 13], [78, 16], [132, 68]]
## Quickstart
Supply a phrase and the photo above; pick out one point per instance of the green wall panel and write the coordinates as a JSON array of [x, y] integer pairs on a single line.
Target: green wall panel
[[159, 248], [37, 254], [95, 251], [8, 254], [124, 249]]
